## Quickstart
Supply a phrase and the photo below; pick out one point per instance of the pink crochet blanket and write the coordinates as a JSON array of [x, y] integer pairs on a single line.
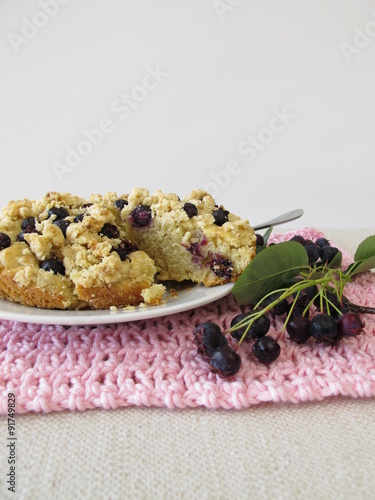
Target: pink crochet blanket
[[155, 362]]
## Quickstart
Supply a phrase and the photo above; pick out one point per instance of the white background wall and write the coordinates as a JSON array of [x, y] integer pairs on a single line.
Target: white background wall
[[227, 69]]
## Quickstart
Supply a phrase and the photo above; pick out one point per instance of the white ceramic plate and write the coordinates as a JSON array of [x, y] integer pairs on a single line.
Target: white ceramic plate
[[187, 297]]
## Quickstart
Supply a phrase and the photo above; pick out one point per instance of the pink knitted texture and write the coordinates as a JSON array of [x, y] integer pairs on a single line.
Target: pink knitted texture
[[155, 362]]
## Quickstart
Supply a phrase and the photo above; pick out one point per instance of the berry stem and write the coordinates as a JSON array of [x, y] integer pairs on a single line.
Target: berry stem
[[359, 308], [288, 316]]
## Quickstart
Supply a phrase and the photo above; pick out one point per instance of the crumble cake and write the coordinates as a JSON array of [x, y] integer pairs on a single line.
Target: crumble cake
[[65, 252]]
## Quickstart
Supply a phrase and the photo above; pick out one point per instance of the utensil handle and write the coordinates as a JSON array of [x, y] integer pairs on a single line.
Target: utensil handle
[[281, 219]]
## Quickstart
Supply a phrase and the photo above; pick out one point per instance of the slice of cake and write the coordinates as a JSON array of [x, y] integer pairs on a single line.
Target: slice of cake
[[66, 253], [190, 239]]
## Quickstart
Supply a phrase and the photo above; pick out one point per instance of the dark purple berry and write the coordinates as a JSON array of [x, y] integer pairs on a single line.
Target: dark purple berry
[[332, 297], [260, 327], [330, 303], [300, 306], [299, 309], [323, 328], [62, 224], [322, 242], [225, 362], [120, 203], [298, 329], [222, 267], [279, 309], [109, 230], [28, 225], [124, 249], [266, 349], [59, 213], [313, 253], [27, 230], [350, 325], [299, 239], [260, 240], [141, 216], [54, 265], [327, 253], [5, 241], [208, 337], [190, 209], [220, 216], [311, 291], [79, 218], [237, 334]]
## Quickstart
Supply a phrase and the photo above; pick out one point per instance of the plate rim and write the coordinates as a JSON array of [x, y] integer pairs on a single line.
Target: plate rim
[[172, 305]]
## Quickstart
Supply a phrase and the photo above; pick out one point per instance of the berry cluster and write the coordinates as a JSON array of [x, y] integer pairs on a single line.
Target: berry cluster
[[322, 317], [319, 252], [213, 346], [323, 327], [265, 348], [311, 308]]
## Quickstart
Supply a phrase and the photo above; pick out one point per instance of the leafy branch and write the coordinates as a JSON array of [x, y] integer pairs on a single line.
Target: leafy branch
[[284, 269]]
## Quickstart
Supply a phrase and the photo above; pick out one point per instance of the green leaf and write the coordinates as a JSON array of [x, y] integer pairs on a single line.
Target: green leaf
[[260, 248], [270, 270], [361, 266], [366, 249], [317, 274], [364, 258], [267, 234], [336, 261]]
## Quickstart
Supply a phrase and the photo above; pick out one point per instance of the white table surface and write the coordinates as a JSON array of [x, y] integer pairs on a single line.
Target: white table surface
[[322, 450]]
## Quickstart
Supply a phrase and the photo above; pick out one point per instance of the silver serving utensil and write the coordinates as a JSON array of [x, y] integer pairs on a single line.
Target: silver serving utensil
[[281, 219]]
